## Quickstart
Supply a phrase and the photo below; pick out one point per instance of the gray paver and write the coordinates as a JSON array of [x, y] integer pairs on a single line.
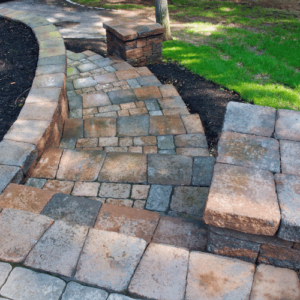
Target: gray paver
[[167, 151], [148, 81], [51, 80], [76, 56], [159, 197], [9, 174], [43, 95], [36, 182], [115, 190], [72, 71], [287, 125], [50, 69], [109, 259], [54, 60], [24, 284], [59, 249], [122, 96], [76, 291], [203, 170], [75, 102], [73, 210], [195, 140], [133, 83], [87, 67], [4, 272], [104, 62], [84, 82], [290, 157], [73, 130], [165, 142], [133, 126], [152, 104], [118, 297]]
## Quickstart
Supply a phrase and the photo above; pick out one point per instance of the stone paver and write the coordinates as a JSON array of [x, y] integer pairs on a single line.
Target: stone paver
[[59, 249], [159, 197], [164, 125], [72, 210], [115, 190], [122, 96], [73, 130], [129, 221], [192, 123], [36, 182], [26, 198], [203, 170], [86, 189], [233, 200], [9, 174], [140, 191], [215, 277], [192, 152], [95, 100], [194, 140], [161, 273], [169, 169], [249, 151], [124, 167], [168, 91], [250, 119], [24, 284], [133, 126], [165, 142], [275, 283], [147, 92], [99, 127], [20, 230], [81, 165], [290, 157], [120, 202], [5, 269], [84, 82], [118, 297], [76, 291], [59, 186], [109, 259]]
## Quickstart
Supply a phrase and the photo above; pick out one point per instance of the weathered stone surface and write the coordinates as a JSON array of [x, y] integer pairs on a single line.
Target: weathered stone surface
[[243, 199], [72, 71], [73, 130], [192, 151], [80, 165], [133, 126], [36, 182], [95, 100], [287, 125], [108, 142], [50, 69], [147, 92], [9, 174], [145, 141], [59, 186], [139, 204], [20, 231], [127, 74], [168, 90], [120, 202], [228, 246], [129, 221], [290, 157], [215, 277], [169, 169], [100, 127], [180, 232], [87, 143], [54, 60], [24, 197], [86, 189], [148, 81], [84, 82], [59, 249], [202, 170], [140, 191], [25, 284], [109, 259], [161, 273], [104, 62], [279, 256], [77, 56], [195, 140], [118, 297], [4, 272], [192, 123], [48, 164], [115, 190], [122, 96], [124, 167], [76, 291], [43, 95], [159, 197], [51, 80], [164, 125], [87, 67], [249, 151], [250, 119], [190, 200], [165, 142], [152, 104]]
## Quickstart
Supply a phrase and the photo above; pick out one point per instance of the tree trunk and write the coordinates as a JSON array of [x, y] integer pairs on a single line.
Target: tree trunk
[[162, 17]]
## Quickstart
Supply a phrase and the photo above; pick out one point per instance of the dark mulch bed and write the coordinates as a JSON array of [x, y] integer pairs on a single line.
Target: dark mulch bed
[[18, 60]]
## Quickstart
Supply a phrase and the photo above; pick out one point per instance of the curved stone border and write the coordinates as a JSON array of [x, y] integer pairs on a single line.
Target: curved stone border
[[41, 120]]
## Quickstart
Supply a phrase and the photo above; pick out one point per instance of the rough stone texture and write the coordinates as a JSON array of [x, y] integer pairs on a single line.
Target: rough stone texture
[[190, 200], [120, 202], [290, 157], [80, 165], [59, 186], [275, 283], [95, 100], [84, 82], [59, 249], [169, 169], [140, 191], [122, 96], [51, 80], [288, 191], [161, 274], [192, 123], [24, 284], [133, 126], [243, 199], [109, 259], [195, 140], [115, 190], [76, 291], [192, 151], [287, 125], [145, 141], [168, 90], [250, 119], [129, 221], [228, 246], [87, 143], [124, 167], [279, 256], [43, 94], [73, 130], [99, 127], [165, 142], [48, 164], [24, 197], [4, 272], [72, 210], [249, 151], [19, 232], [118, 297], [215, 277], [9, 174], [159, 197], [165, 125], [86, 189], [36, 182], [181, 232], [147, 92], [203, 170], [127, 74]]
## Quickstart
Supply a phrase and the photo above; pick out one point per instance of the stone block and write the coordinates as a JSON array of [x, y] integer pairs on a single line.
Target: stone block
[[172, 103], [73, 130], [51, 52], [129, 221], [275, 283], [133, 126], [147, 92], [140, 191], [249, 119], [84, 83], [124, 167], [243, 199], [169, 169], [108, 142], [202, 170], [36, 182], [115, 190], [182, 233], [148, 81], [152, 104], [118, 297], [5, 269], [58, 186], [122, 66], [287, 125], [109, 259], [43, 95], [194, 140], [106, 78], [159, 197], [9, 174], [192, 151], [54, 60], [150, 149], [72, 71], [290, 157], [104, 62], [20, 231], [215, 277], [168, 90], [166, 125], [120, 202], [95, 100], [143, 71], [87, 143], [87, 67], [100, 127], [95, 57], [122, 96], [47, 81], [145, 141], [50, 69], [77, 56], [161, 273], [138, 111], [127, 74], [86, 189], [249, 151], [165, 142], [72, 210], [192, 123]]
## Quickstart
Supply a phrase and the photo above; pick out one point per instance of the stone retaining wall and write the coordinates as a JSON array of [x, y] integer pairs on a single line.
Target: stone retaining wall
[[41, 120]]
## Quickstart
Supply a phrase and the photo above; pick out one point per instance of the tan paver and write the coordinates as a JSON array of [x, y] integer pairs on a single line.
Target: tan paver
[[115, 190], [147, 92], [108, 141], [86, 189], [129, 221], [192, 151], [120, 202], [215, 277], [95, 100], [140, 191], [58, 186], [24, 197], [168, 91], [161, 273], [165, 125], [125, 141], [143, 71], [127, 74], [109, 259], [136, 149], [139, 204], [106, 78], [149, 149], [145, 141], [100, 127], [87, 143], [192, 123]]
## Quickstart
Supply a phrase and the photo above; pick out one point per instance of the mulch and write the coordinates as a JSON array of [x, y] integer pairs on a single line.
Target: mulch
[[18, 60]]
